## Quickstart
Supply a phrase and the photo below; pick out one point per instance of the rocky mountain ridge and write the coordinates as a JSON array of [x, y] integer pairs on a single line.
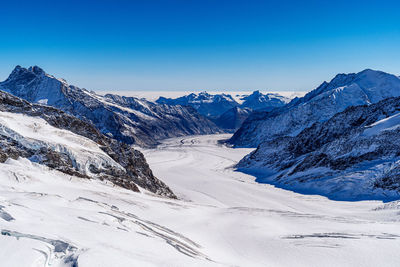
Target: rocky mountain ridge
[[127, 119], [354, 155], [345, 90]]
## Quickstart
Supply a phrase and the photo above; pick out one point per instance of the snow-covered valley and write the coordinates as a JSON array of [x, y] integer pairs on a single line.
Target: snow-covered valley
[[222, 218]]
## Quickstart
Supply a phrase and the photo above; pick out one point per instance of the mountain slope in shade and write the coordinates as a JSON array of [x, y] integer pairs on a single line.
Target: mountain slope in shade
[[352, 156], [233, 118], [319, 105], [53, 138], [127, 119]]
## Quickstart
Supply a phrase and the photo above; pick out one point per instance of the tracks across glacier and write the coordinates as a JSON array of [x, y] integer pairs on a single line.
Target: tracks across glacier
[[222, 218]]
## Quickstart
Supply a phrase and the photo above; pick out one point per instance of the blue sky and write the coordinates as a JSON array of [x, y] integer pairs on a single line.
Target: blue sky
[[200, 45]]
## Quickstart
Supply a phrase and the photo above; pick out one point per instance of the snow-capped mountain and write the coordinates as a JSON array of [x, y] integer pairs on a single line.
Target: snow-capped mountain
[[319, 105], [62, 142], [223, 109], [259, 101], [354, 155], [127, 119]]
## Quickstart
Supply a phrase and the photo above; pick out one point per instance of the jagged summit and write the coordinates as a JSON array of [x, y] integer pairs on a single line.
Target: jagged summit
[[37, 70], [32, 71]]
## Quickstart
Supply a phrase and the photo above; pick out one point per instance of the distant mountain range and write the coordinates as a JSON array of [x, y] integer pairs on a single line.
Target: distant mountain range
[[128, 119], [223, 109], [340, 140]]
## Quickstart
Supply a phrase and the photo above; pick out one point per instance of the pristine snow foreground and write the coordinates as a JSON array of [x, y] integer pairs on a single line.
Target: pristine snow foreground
[[223, 218]]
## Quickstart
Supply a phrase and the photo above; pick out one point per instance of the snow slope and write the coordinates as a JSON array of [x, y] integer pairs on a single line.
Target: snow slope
[[224, 218], [53, 147], [34, 133], [387, 124]]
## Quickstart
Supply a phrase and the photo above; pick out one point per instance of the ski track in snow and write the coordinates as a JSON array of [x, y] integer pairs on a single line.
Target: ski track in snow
[[223, 218]]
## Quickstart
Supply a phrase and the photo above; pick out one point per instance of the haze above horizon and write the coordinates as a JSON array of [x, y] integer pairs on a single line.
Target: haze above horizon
[[199, 45]]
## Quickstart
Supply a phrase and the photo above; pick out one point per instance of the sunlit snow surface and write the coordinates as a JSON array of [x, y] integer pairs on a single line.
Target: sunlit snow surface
[[35, 133], [387, 124], [223, 218]]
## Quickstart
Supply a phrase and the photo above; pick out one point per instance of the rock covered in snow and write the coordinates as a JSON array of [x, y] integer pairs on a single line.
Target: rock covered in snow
[[63, 142]]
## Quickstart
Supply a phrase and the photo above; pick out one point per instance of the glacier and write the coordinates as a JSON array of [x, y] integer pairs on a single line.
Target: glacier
[[222, 218]]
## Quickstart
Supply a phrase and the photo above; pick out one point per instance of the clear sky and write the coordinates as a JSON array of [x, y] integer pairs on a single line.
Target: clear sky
[[199, 44]]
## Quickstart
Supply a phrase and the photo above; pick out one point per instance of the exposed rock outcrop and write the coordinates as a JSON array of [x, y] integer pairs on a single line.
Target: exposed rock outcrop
[[133, 169]]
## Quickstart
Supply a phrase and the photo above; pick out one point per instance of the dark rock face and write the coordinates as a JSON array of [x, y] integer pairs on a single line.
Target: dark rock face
[[353, 155], [137, 171], [319, 105], [126, 119]]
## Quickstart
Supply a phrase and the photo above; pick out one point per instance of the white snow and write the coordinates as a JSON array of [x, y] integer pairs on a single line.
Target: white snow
[[223, 218], [33, 132], [387, 124], [43, 101], [129, 110]]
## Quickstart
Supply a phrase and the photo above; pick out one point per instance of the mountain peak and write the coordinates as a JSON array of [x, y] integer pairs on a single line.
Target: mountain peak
[[30, 72], [256, 93], [36, 70], [18, 67], [374, 74]]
